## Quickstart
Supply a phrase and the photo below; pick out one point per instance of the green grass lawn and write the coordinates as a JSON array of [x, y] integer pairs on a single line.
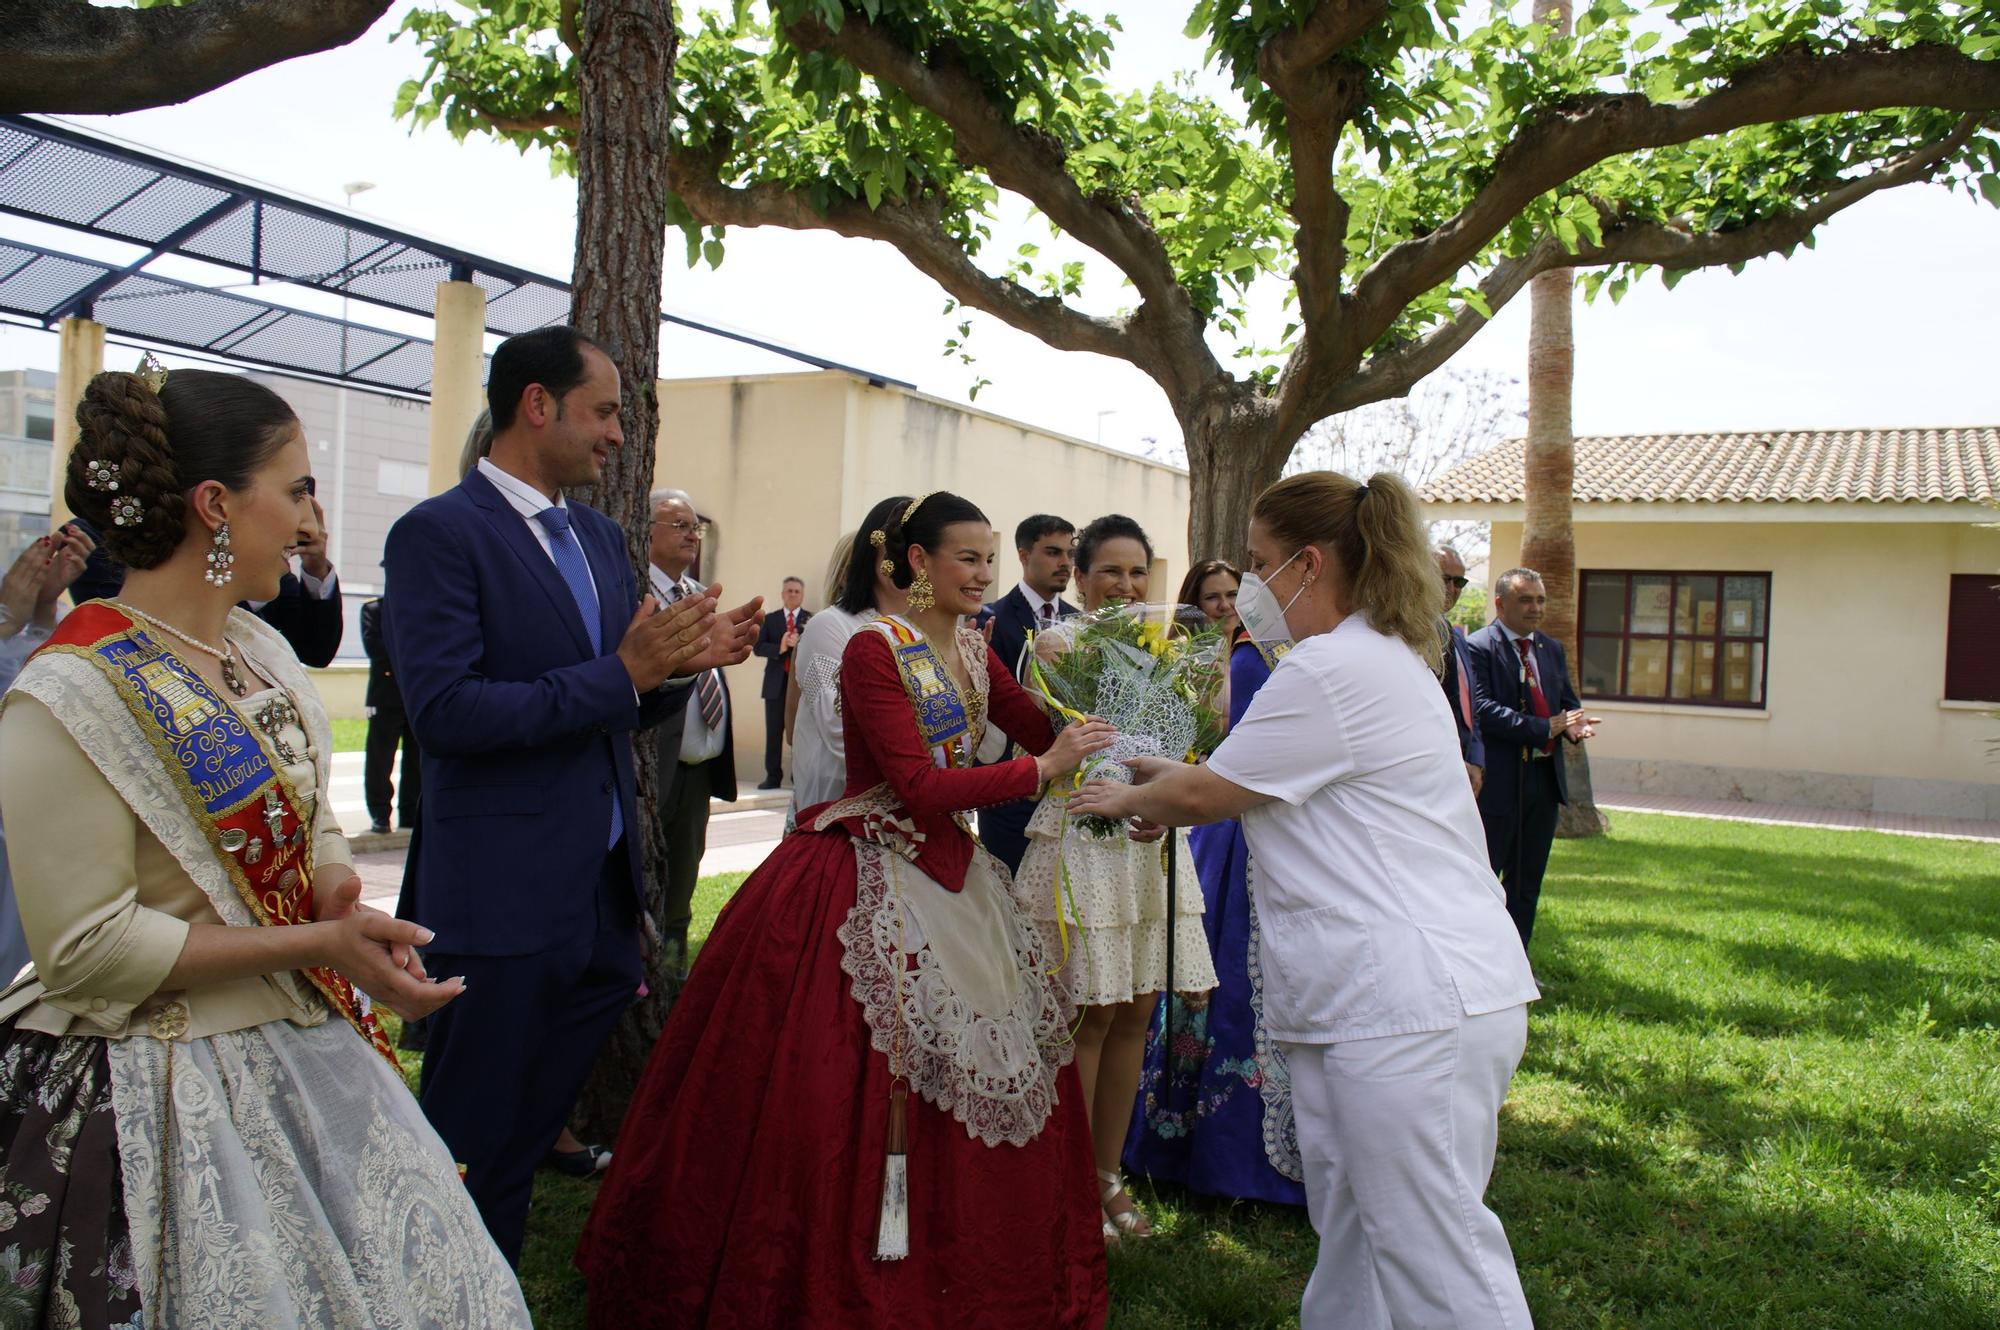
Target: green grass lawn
[[1763, 1089], [350, 736]]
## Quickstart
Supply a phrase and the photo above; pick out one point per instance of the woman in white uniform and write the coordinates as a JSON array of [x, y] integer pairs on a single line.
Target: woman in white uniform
[[1392, 975]]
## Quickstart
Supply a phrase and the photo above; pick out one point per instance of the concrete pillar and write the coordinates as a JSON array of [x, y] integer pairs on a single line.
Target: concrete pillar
[[82, 360], [458, 365]]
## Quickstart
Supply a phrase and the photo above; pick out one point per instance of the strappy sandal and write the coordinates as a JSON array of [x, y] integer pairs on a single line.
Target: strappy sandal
[[1126, 1223]]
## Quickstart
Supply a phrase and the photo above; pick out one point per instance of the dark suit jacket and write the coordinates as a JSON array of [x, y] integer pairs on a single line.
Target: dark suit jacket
[[1457, 663], [313, 626], [1013, 620], [722, 767], [769, 638], [383, 694], [526, 732], [1506, 722]]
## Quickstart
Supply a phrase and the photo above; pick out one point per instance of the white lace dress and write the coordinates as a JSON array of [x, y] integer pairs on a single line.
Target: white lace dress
[[1113, 909]]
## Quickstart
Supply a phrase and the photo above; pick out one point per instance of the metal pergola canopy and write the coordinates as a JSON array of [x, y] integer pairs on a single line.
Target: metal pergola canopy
[[68, 177], [37, 284]]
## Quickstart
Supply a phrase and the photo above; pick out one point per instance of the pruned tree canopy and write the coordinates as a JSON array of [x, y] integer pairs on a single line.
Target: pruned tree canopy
[[89, 59], [1404, 169]]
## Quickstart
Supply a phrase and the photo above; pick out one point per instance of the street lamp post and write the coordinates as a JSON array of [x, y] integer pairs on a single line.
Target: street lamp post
[[337, 536]]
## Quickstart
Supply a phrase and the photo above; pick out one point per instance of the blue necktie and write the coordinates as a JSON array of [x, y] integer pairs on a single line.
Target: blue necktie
[[570, 563]]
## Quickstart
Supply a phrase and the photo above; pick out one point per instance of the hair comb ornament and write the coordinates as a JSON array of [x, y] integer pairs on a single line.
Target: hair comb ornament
[[878, 539], [915, 504], [151, 371], [127, 511], [101, 476]]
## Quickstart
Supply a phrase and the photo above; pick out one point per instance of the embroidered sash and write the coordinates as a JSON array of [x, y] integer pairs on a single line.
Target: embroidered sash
[[940, 711], [240, 798]]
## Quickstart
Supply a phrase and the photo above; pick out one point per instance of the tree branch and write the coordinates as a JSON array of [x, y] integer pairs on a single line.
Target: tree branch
[[86, 59], [986, 138], [1670, 245], [1560, 143], [914, 229], [1325, 33]]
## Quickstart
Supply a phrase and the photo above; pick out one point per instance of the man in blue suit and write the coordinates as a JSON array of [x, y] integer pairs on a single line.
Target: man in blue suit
[[1045, 543], [1460, 680], [1525, 705], [525, 672]]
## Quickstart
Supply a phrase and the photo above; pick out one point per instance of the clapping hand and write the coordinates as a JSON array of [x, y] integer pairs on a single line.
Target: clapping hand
[[1581, 727], [659, 643], [731, 638], [20, 590], [71, 551]]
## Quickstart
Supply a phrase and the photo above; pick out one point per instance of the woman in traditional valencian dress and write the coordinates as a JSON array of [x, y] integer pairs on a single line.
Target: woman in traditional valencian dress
[[1215, 1098], [861, 1111], [200, 1122], [860, 591], [1103, 902]]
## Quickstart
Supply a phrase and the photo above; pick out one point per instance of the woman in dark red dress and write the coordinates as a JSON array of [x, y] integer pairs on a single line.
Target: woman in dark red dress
[[861, 1112]]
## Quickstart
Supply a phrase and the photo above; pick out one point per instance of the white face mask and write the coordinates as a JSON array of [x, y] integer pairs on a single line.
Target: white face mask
[[1259, 610]]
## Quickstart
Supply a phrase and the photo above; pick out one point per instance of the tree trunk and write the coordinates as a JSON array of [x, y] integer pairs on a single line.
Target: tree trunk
[[625, 74], [1230, 452], [1548, 541]]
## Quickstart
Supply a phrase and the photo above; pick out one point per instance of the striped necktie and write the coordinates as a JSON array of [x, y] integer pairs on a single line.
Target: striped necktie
[[575, 570], [707, 689]]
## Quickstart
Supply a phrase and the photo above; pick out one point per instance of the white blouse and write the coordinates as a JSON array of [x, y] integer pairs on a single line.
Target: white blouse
[[819, 754], [1377, 911]]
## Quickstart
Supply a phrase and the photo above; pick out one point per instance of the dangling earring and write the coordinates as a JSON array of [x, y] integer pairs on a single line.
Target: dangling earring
[[220, 559], [921, 594]]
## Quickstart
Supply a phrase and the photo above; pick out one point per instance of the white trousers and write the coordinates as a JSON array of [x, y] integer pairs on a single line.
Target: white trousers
[[1397, 1134]]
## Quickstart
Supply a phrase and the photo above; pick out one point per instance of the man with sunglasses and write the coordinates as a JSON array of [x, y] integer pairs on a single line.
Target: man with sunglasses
[[1461, 686]]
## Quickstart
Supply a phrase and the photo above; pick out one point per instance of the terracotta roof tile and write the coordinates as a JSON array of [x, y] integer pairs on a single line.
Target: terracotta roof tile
[[1762, 466]]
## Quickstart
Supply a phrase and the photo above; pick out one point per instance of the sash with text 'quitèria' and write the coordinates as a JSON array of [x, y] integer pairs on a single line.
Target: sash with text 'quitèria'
[[233, 790]]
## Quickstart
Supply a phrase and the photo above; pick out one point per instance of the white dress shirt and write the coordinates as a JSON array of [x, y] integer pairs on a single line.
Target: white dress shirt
[[1377, 911], [526, 500], [699, 743]]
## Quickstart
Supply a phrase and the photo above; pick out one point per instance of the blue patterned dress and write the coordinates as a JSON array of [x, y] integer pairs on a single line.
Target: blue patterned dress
[[1214, 1111]]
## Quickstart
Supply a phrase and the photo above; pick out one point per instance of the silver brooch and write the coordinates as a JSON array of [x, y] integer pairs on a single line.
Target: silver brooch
[[100, 475], [127, 512]]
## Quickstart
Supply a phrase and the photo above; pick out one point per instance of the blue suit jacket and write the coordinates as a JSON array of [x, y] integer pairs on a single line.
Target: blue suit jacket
[[1457, 663], [1506, 723], [525, 731], [1013, 620]]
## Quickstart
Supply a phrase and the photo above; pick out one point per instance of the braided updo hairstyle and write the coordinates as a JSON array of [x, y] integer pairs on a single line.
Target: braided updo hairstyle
[[926, 527], [200, 426]]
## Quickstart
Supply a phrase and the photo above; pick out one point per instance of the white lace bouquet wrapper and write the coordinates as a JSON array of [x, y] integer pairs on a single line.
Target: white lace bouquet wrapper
[[1153, 671]]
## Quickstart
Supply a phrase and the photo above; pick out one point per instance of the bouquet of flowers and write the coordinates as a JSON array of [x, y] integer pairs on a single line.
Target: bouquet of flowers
[[1151, 670]]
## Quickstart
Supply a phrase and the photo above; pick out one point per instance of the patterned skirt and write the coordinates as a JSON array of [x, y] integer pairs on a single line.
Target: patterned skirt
[[269, 1178], [65, 1248]]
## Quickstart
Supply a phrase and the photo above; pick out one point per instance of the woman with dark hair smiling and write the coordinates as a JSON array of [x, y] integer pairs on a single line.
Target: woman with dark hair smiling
[[1394, 979], [861, 1112]]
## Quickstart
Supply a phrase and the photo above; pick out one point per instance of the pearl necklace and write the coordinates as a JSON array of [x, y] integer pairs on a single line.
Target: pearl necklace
[[224, 653]]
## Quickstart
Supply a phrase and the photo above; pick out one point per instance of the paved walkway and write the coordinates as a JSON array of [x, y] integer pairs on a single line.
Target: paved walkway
[[1787, 815]]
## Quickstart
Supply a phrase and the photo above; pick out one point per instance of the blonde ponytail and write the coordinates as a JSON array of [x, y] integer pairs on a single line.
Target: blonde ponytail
[[1376, 538]]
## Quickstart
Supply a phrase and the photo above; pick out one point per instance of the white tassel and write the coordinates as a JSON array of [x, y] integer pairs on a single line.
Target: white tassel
[[892, 1230]]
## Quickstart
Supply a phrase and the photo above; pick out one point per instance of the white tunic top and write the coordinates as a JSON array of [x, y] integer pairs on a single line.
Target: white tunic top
[[819, 753], [1377, 912]]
